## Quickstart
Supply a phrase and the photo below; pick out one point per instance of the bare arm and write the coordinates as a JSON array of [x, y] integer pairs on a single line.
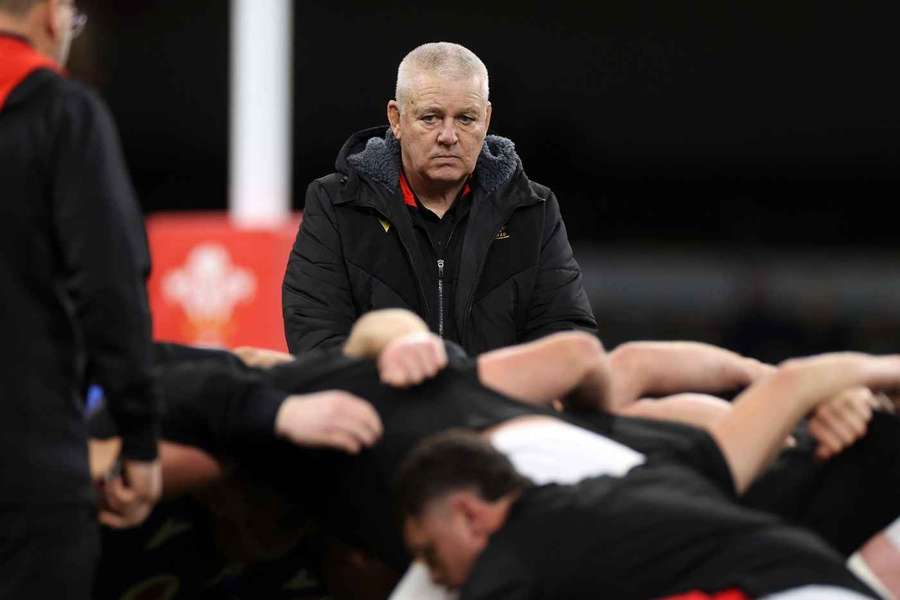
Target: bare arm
[[407, 353], [763, 415], [184, 468], [662, 368], [262, 358], [836, 424], [569, 364], [699, 410], [373, 331]]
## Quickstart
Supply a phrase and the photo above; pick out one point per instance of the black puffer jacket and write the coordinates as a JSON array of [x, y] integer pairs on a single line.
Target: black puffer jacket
[[356, 251]]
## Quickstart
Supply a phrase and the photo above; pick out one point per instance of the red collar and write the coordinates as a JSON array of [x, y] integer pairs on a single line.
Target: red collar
[[730, 594], [18, 60], [409, 198]]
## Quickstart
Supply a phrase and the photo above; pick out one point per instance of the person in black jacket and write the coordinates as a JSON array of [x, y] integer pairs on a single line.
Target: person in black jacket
[[434, 215], [73, 311]]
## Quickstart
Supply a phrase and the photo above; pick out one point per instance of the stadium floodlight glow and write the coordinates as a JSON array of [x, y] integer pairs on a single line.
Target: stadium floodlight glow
[[261, 98]]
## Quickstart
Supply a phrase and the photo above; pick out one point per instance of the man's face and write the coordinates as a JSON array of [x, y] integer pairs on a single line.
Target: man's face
[[441, 128], [447, 541]]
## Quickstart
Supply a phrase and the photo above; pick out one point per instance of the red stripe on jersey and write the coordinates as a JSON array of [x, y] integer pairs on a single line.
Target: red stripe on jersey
[[732, 594]]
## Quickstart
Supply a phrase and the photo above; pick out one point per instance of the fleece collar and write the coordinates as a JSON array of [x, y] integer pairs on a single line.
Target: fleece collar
[[380, 160]]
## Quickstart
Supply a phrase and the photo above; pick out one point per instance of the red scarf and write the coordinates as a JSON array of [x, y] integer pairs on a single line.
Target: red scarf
[[18, 60]]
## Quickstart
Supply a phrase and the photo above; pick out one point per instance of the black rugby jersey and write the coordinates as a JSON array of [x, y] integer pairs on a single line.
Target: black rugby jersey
[[670, 526], [226, 408]]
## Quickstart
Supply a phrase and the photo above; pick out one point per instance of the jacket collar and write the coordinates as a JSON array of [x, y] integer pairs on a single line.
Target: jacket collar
[[18, 60], [375, 154]]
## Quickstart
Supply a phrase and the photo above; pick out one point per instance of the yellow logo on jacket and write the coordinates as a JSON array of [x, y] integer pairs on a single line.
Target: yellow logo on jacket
[[502, 235], [384, 224]]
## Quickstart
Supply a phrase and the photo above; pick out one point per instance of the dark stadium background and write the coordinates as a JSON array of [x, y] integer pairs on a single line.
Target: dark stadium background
[[727, 171]]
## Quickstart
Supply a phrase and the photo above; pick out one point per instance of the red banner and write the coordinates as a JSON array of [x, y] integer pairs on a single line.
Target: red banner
[[215, 284]]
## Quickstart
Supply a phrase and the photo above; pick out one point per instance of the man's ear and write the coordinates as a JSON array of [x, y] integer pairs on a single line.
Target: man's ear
[[53, 21], [475, 512], [488, 109], [393, 115]]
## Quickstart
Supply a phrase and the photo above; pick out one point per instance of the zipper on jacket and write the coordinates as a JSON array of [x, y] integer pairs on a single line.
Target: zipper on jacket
[[440, 290], [440, 266]]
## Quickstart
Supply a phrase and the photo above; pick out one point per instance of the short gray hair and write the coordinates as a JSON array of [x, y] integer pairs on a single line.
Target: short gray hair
[[18, 8], [444, 59]]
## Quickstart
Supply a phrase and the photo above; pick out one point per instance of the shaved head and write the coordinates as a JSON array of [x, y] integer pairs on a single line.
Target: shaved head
[[443, 59]]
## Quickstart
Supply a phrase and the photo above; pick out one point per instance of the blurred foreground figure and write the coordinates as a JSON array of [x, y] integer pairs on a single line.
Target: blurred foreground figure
[[433, 215], [670, 524], [393, 384], [73, 311]]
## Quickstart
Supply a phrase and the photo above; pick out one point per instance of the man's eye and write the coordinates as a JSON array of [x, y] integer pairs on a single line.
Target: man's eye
[[429, 119], [466, 120]]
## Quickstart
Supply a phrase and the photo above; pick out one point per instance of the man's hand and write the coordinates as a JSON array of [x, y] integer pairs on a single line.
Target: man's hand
[[262, 358], [332, 419], [411, 359], [838, 423], [127, 498]]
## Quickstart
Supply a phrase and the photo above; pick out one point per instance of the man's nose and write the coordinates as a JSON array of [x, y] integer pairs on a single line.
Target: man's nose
[[447, 134]]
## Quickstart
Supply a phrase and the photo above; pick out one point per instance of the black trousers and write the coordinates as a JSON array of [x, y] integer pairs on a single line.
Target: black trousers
[[48, 553]]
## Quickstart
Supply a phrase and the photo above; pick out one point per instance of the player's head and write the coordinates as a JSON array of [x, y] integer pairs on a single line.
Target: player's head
[[50, 25], [454, 492]]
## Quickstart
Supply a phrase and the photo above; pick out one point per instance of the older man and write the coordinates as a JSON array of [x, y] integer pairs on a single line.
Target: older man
[[436, 216], [73, 258]]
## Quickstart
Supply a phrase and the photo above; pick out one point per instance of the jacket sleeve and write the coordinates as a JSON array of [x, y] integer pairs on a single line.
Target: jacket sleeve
[[218, 407], [100, 235], [559, 302], [316, 297]]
